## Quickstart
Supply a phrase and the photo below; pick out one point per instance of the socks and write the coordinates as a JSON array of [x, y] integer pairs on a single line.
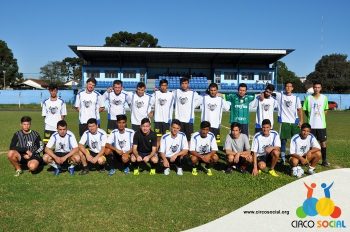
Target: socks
[[53, 164], [324, 153]]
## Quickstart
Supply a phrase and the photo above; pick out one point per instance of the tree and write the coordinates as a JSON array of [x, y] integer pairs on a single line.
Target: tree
[[126, 39], [54, 72], [333, 71], [73, 65], [8, 64], [284, 75]]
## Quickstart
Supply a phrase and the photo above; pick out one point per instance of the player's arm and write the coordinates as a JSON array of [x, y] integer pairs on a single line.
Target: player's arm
[[301, 116], [109, 146], [39, 144], [71, 153], [195, 153], [135, 152], [82, 149], [49, 151], [165, 161]]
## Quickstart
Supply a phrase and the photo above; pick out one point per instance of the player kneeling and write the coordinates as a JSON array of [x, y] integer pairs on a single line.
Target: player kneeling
[[173, 147], [203, 148], [120, 143], [304, 150], [145, 147], [92, 147], [65, 153], [266, 147]]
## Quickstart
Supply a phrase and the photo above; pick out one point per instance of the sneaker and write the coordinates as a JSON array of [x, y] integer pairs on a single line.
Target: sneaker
[[179, 172], [56, 172], [111, 172], [136, 172], [153, 171], [167, 171], [84, 172], [209, 173], [283, 158], [18, 172], [127, 170], [311, 171], [229, 170], [325, 163], [273, 173], [71, 171], [194, 172], [102, 170]]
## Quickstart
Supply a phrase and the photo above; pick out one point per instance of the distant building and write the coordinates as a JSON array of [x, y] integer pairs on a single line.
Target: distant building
[[34, 84]]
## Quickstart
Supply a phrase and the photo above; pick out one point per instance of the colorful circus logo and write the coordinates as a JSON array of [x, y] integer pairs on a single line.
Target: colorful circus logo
[[323, 206]]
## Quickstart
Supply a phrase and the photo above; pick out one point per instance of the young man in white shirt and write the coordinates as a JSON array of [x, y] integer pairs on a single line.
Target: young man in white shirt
[[140, 105], [116, 99], [212, 107], [203, 148], [290, 115], [186, 101], [92, 147], [119, 144], [316, 107], [89, 103], [266, 148], [265, 105], [53, 110], [173, 147], [62, 150], [304, 150]]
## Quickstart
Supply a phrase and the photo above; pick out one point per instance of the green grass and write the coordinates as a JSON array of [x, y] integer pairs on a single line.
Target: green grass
[[43, 202]]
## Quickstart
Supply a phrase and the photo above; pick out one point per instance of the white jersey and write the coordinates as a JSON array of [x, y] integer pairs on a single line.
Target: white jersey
[[299, 146], [170, 146], [121, 141], [89, 105], [62, 144], [288, 106], [264, 110], [316, 108], [163, 105], [185, 103], [212, 108], [260, 142], [140, 107], [203, 145], [116, 103], [96, 141], [53, 110]]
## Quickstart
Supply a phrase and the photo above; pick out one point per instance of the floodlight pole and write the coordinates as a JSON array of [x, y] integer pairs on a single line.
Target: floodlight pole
[[4, 72]]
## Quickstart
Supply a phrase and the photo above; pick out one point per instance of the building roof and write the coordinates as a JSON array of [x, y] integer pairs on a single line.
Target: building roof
[[35, 83]]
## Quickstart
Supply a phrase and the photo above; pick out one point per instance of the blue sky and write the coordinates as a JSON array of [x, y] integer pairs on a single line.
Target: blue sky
[[40, 31]]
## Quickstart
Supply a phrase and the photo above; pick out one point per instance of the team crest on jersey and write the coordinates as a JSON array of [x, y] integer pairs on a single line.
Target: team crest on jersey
[[61, 146], [29, 143], [117, 102], [204, 148], [212, 107], [162, 101], [288, 103], [266, 107], [53, 110], [174, 148], [265, 146], [303, 149], [121, 143], [94, 144], [87, 104], [183, 100], [139, 104]]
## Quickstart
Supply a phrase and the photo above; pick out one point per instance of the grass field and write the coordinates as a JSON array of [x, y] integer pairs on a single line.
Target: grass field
[[95, 202]]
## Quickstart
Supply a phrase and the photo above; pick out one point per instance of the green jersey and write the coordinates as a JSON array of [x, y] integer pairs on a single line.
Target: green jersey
[[239, 108]]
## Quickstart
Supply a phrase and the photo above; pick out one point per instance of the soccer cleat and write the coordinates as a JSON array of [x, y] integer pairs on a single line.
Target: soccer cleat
[[136, 172], [111, 172], [127, 170], [18, 172], [311, 171], [194, 172], [84, 172], [153, 171], [273, 173], [325, 164], [71, 171], [102, 170], [229, 170], [179, 172], [167, 171], [56, 172], [209, 173]]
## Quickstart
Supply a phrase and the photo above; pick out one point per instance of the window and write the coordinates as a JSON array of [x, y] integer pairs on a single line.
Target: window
[[129, 74], [230, 76], [265, 76], [111, 74], [247, 76], [93, 73]]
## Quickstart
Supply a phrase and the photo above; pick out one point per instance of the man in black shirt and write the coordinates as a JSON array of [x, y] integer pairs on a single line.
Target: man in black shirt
[[25, 148], [145, 147]]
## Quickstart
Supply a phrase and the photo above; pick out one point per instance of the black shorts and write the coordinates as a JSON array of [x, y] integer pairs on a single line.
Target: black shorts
[[216, 132], [111, 125], [82, 128], [161, 128], [37, 157], [320, 134], [135, 127], [245, 129], [47, 135], [67, 162], [187, 128], [264, 158]]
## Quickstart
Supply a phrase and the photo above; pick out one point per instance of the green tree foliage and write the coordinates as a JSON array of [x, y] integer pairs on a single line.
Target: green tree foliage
[[127, 39], [73, 66], [8, 64], [54, 72], [333, 71], [284, 75]]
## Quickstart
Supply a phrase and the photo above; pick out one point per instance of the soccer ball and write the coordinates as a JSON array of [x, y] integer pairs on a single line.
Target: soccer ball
[[300, 172]]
